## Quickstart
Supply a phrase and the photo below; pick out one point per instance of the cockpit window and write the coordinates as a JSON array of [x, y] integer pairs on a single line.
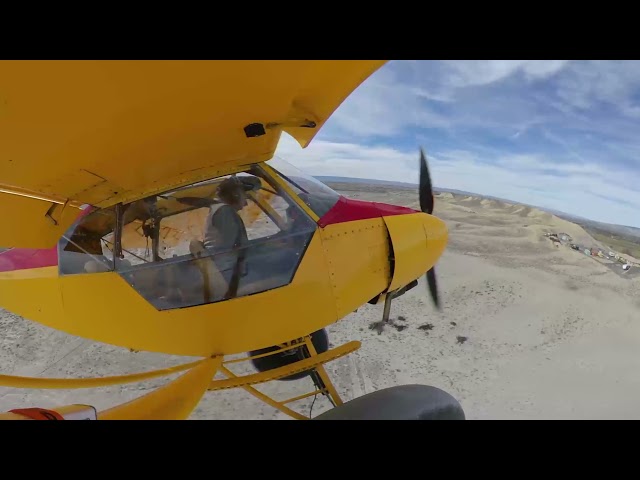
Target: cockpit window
[[319, 197], [232, 236], [87, 247]]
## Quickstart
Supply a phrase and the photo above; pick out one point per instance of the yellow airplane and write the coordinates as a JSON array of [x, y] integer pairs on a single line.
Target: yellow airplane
[[142, 207]]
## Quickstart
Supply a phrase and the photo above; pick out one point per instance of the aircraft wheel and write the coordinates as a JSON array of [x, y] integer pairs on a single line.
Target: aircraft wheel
[[320, 340]]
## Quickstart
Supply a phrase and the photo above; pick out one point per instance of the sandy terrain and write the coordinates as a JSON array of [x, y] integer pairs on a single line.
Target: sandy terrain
[[528, 330]]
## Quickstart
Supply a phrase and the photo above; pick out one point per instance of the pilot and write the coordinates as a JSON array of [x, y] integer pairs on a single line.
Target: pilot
[[224, 228], [226, 233]]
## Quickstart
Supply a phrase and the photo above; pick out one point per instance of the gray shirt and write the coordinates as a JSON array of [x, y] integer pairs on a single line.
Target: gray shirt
[[224, 232]]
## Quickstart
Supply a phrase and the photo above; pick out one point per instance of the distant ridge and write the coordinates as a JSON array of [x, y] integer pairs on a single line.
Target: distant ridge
[[368, 181], [611, 227], [390, 183]]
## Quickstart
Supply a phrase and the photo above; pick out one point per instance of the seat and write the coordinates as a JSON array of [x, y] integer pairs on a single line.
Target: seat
[[404, 402], [93, 266]]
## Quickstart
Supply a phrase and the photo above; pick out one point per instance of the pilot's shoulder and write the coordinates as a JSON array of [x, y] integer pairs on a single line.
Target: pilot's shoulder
[[225, 213]]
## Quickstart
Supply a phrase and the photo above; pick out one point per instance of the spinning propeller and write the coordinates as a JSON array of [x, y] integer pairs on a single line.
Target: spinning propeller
[[426, 205]]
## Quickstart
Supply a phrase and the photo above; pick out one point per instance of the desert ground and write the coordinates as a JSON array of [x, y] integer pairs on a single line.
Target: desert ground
[[528, 330]]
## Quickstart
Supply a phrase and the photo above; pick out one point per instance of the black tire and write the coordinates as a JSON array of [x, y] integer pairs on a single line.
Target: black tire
[[402, 402], [320, 340]]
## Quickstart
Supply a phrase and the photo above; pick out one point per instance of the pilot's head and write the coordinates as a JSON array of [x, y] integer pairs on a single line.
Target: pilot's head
[[232, 192]]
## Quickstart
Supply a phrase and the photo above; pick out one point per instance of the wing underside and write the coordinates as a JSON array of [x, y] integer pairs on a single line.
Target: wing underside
[[101, 132]]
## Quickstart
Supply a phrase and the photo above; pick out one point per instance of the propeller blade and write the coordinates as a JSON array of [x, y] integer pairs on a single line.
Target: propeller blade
[[426, 191], [433, 286], [426, 205]]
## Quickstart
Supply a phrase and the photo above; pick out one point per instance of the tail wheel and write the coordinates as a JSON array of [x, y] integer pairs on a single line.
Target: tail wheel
[[320, 340]]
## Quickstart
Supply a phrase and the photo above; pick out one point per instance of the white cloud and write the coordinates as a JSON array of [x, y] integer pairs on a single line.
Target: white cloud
[[383, 106], [402, 95], [350, 160], [587, 83], [543, 68], [553, 133], [482, 72], [523, 178]]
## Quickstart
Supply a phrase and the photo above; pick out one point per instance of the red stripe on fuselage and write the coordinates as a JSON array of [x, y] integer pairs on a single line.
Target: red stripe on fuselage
[[349, 210], [26, 258]]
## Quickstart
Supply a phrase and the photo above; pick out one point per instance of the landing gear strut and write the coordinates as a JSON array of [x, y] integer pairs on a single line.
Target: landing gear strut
[[379, 326]]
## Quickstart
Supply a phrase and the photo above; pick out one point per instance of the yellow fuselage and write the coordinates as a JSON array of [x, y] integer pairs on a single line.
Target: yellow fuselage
[[358, 251]]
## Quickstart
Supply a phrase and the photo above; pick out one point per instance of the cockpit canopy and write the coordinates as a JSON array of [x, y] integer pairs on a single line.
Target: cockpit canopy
[[235, 235]]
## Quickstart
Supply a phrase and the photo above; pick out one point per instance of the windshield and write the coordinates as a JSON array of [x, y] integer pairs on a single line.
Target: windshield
[[318, 196]]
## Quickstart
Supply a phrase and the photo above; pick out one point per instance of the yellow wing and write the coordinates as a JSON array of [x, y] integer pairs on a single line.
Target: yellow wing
[[100, 132]]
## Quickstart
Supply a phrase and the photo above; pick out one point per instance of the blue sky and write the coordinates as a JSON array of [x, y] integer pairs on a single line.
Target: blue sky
[[555, 133]]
